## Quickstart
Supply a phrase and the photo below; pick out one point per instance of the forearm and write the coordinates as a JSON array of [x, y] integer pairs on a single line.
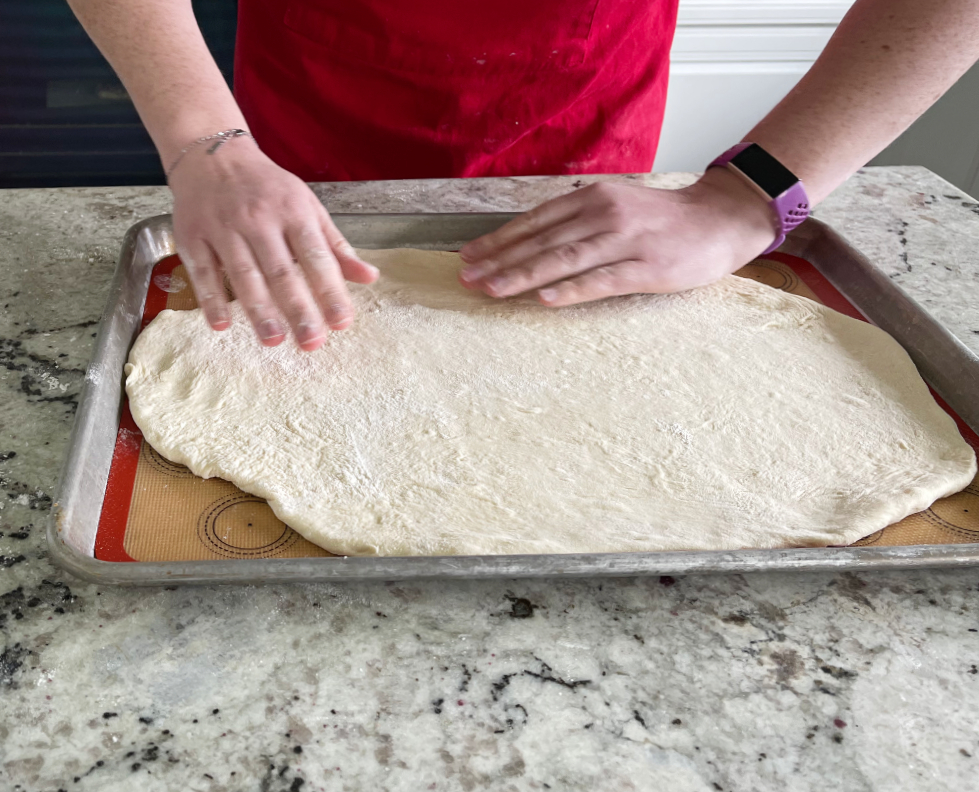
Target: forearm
[[888, 61], [157, 49]]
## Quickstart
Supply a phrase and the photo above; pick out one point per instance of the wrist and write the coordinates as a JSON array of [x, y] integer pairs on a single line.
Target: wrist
[[215, 153], [741, 211], [197, 114]]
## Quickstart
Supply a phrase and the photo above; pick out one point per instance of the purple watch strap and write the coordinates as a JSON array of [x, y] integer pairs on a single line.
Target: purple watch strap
[[791, 207]]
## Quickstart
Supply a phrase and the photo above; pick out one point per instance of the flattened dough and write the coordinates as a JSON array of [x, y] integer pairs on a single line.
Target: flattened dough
[[444, 422]]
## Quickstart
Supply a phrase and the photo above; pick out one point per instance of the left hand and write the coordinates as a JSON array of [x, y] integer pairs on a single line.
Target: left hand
[[609, 239]]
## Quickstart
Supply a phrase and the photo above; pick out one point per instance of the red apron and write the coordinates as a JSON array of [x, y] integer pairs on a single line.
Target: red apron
[[398, 89]]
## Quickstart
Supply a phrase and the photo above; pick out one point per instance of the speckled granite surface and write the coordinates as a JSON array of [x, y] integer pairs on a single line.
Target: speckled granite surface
[[767, 682]]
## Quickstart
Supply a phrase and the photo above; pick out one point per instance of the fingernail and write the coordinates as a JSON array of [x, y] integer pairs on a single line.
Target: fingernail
[[471, 274], [547, 295], [339, 316], [497, 283], [222, 323], [269, 328], [307, 332], [374, 270]]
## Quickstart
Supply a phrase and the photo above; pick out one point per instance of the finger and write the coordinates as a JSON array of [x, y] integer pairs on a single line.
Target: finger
[[202, 267], [526, 251], [558, 263], [323, 275], [527, 225], [624, 277], [249, 286], [353, 267], [288, 287]]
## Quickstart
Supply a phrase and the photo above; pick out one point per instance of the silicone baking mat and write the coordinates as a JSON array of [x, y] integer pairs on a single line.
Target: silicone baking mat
[[155, 510]]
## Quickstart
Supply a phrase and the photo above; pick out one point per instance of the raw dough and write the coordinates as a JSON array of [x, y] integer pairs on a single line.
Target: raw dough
[[445, 422]]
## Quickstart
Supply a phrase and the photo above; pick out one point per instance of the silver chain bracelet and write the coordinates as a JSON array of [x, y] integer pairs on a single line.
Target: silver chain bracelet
[[219, 138]]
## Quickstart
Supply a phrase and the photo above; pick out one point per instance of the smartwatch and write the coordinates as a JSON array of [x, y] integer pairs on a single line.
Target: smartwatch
[[782, 189]]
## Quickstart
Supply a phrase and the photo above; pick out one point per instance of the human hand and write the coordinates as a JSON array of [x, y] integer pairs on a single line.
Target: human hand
[[241, 214], [610, 239]]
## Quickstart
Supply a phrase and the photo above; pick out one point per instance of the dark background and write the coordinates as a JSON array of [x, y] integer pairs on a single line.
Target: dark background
[[65, 119]]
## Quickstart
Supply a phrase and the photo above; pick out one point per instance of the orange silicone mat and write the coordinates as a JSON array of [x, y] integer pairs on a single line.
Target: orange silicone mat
[[155, 510]]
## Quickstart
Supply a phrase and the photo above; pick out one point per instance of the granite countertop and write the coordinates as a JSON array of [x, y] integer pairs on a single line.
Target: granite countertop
[[730, 683]]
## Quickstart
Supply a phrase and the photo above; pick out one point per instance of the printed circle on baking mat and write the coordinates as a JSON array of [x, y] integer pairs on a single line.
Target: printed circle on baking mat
[[163, 465], [875, 537], [243, 526], [771, 273], [958, 513]]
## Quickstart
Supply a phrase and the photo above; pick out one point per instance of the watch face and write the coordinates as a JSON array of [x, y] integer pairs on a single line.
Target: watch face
[[764, 170]]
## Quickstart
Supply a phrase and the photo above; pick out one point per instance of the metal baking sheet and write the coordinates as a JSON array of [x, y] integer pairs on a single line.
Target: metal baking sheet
[[950, 367]]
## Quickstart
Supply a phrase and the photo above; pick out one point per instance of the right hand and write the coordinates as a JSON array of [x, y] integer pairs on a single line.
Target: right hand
[[239, 213]]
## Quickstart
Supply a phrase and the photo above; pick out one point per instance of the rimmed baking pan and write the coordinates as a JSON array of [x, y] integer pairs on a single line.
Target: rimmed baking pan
[[949, 367]]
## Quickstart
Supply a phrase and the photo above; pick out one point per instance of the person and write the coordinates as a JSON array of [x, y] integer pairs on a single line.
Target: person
[[380, 89]]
